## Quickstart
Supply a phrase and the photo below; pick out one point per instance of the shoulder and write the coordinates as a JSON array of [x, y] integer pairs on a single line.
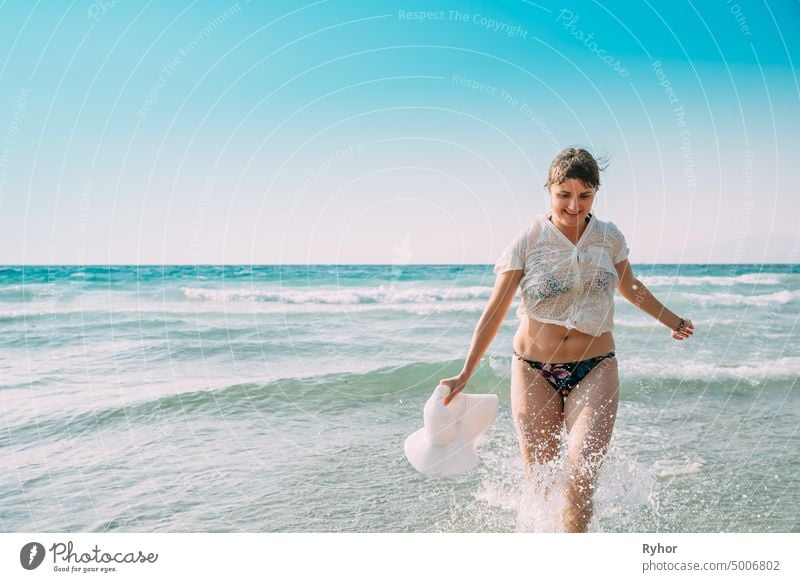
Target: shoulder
[[521, 236], [519, 242], [531, 231], [529, 236], [538, 225]]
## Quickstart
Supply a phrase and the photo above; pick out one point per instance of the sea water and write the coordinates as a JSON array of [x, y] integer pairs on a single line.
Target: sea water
[[278, 398]]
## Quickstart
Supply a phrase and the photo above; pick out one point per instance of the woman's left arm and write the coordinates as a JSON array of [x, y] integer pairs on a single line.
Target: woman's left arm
[[634, 291]]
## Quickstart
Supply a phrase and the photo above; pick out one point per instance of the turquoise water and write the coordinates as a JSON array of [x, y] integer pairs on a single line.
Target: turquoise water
[[277, 399]]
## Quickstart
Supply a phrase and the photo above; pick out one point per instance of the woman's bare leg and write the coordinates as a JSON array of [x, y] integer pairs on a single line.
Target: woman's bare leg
[[537, 411], [589, 413]]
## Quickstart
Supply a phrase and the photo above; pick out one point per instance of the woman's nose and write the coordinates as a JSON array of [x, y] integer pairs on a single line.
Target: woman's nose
[[573, 204]]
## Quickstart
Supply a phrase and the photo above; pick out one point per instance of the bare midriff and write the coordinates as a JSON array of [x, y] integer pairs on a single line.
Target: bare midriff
[[547, 342]]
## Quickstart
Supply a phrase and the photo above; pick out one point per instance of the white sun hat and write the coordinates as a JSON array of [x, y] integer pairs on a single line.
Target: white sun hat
[[447, 444]]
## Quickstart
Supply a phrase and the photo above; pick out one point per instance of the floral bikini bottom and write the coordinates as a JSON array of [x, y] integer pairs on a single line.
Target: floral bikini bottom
[[564, 377]]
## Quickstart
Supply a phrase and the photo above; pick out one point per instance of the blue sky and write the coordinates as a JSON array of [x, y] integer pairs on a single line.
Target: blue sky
[[384, 132]]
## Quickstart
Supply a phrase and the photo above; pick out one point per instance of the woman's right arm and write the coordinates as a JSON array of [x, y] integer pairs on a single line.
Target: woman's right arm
[[505, 288]]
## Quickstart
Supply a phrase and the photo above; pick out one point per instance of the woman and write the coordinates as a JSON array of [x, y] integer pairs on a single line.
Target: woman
[[564, 370]]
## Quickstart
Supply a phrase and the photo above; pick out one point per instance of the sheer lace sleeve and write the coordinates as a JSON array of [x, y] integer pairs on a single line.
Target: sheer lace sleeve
[[513, 257], [620, 247]]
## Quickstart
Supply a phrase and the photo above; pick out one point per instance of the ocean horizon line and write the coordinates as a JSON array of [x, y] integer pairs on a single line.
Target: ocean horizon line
[[393, 265]]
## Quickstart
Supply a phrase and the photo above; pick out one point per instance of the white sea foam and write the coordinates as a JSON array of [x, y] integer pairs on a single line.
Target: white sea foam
[[427, 296], [401, 298], [29, 292], [733, 299], [242, 308], [642, 321], [632, 369], [747, 279], [752, 373], [341, 295], [676, 467]]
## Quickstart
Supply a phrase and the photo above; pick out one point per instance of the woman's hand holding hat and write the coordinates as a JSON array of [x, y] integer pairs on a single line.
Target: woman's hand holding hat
[[456, 385]]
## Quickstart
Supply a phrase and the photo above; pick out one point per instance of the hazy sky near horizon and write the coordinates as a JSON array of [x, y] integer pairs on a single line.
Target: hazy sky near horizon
[[336, 131]]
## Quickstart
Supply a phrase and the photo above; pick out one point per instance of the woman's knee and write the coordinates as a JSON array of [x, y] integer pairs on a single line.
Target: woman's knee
[[544, 475], [579, 487], [586, 456]]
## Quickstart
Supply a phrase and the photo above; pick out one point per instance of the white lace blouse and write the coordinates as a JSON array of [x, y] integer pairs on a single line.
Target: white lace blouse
[[566, 284]]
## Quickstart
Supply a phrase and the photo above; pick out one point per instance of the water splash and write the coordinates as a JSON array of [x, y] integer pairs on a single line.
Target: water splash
[[625, 499]]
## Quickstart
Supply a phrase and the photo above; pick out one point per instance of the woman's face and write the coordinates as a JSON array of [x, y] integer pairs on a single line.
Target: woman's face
[[571, 201]]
